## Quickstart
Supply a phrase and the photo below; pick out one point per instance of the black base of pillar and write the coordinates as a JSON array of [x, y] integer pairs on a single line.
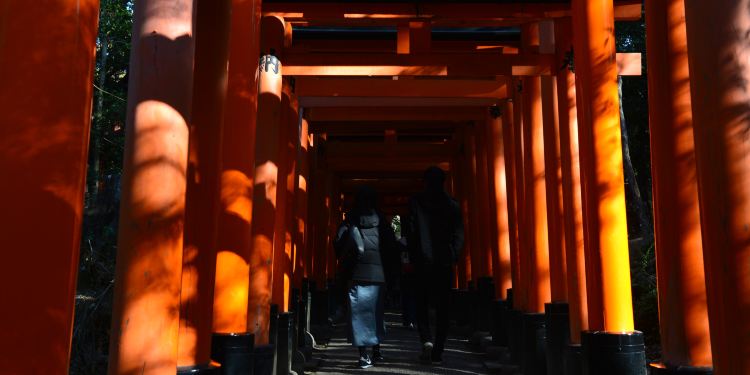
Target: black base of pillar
[[613, 353], [499, 318], [558, 335], [234, 351], [320, 313], [460, 307], [534, 333], [573, 360], [199, 370], [662, 369], [515, 334], [485, 299], [285, 344], [264, 360]]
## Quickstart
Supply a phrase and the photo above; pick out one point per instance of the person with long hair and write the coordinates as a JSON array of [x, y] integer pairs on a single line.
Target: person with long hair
[[362, 243]]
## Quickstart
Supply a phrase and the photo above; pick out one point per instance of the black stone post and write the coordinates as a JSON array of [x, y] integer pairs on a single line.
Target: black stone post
[[285, 344], [558, 335], [533, 346], [613, 353], [234, 351]]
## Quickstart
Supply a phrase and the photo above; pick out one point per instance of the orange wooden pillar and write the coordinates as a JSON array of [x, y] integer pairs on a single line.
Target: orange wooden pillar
[[321, 209], [145, 317], [266, 177], [683, 315], [571, 187], [557, 321], [516, 336], [607, 262], [45, 112], [301, 228], [288, 138], [520, 295], [718, 55], [480, 262], [202, 193], [483, 200], [508, 136], [553, 172], [238, 171], [496, 168], [535, 191], [535, 217], [464, 264]]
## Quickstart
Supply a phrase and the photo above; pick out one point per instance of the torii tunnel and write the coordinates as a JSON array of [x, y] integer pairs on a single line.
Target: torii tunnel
[[250, 125]]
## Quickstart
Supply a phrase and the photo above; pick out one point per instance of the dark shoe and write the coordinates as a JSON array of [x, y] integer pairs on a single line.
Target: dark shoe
[[426, 356], [377, 356], [364, 361]]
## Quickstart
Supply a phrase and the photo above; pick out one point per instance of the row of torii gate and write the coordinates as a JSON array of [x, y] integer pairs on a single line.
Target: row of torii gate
[[222, 215]]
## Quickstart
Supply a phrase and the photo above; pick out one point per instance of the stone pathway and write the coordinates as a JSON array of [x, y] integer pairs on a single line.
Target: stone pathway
[[401, 350]]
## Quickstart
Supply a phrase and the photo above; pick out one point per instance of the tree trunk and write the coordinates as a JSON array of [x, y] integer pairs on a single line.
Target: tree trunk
[[97, 128], [645, 226]]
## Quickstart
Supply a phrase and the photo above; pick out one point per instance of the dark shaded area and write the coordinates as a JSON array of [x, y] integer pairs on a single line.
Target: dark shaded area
[[631, 37]]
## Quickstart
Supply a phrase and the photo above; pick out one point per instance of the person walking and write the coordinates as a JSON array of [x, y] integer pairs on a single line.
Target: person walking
[[362, 242], [436, 237]]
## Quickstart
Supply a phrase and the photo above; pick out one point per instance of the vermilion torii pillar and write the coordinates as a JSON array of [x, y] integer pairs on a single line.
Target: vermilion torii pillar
[[282, 257], [300, 229], [534, 185], [571, 189], [683, 315], [557, 322], [520, 298], [463, 270], [717, 48], [202, 195], [480, 263], [553, 187], [496, 166], [149, 258], [508, 136], [535, 217], [488, 249], [266, 178], [45, 112], [607, 261], [238, 171]]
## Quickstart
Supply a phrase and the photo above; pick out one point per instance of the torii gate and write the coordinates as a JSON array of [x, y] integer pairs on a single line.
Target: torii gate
[[217, 221]]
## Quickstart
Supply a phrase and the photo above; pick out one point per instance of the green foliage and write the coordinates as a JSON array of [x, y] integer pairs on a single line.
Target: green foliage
[[99, 240]]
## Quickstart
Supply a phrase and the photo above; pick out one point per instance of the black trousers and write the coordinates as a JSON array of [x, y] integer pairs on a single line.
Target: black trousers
[[433, 287]]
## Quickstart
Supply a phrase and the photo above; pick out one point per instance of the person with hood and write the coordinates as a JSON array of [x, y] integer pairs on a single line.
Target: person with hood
[[362, 243], [436, 237]]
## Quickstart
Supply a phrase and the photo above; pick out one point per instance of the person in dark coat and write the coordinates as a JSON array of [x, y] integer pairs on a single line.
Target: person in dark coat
[[362, 242], [436, 238]]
